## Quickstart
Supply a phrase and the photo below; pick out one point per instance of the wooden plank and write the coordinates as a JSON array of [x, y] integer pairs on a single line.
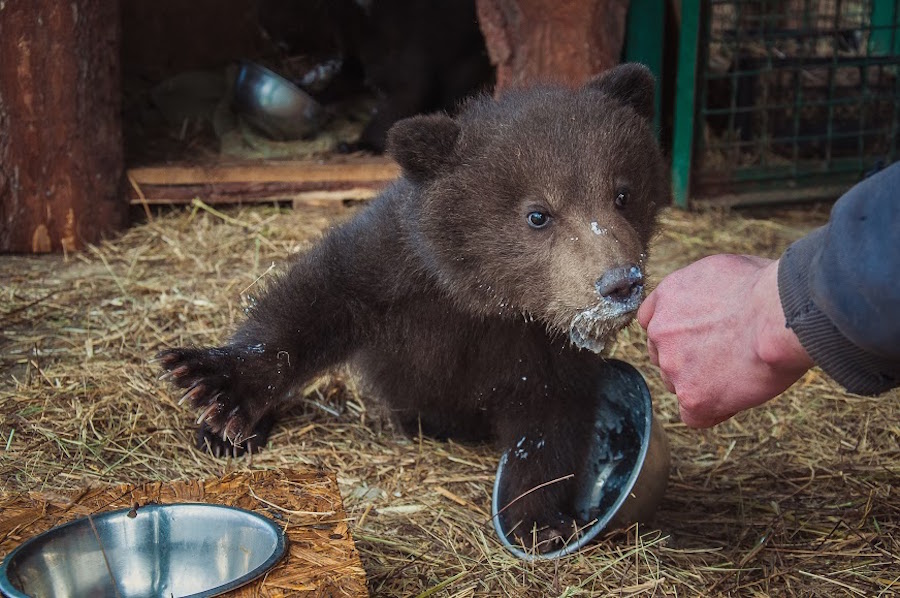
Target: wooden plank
[[301, 181], [296, 198], [234, 193], [322, 558], [370, 170]]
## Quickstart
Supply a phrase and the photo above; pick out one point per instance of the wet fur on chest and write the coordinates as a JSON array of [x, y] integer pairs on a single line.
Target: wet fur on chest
[[455, 375]]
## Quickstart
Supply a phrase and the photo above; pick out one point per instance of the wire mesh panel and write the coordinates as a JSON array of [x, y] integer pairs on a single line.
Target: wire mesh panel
[[795, 98]]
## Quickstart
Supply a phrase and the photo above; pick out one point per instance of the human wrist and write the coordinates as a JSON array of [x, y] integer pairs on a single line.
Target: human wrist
[[775, 344]]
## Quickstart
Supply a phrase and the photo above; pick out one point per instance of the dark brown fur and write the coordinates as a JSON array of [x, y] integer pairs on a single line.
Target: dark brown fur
[[452, 309]]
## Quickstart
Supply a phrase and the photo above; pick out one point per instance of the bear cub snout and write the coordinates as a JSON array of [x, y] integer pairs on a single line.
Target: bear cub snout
[[474, 295]]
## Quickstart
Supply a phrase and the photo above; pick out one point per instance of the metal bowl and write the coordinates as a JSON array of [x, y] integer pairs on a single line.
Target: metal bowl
[[629, 463], [273, 105], [156, 550]]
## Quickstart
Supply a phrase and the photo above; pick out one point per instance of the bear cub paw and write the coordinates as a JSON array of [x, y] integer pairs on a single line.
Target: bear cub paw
[[218, 388], [547, 534]]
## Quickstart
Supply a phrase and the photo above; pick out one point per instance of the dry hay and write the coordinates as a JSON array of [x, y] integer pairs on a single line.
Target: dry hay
[[794, 499], [321, 560]]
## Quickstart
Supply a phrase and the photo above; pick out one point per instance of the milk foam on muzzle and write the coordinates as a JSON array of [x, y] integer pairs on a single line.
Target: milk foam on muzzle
[[591, 327]]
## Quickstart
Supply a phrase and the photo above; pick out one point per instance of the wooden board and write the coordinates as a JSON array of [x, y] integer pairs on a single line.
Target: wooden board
[[263, 182], [322, 559]]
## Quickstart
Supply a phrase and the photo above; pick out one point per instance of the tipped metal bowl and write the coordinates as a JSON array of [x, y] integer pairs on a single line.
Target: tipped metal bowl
[[629, 463], [273, 105], [156, 550]]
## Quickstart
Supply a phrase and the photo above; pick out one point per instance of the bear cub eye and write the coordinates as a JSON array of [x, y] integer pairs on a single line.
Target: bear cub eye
[[538, 219], [622, 195]]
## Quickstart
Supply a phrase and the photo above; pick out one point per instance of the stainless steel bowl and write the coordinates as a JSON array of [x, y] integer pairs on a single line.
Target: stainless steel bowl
[[629, 459], [273, 105], [156, 550]]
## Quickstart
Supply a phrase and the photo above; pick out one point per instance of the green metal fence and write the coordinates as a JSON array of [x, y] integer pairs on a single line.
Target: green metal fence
[[783, 100]]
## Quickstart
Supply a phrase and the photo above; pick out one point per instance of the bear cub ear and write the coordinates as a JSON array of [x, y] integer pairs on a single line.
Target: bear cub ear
[[423, 145], [631, 83]]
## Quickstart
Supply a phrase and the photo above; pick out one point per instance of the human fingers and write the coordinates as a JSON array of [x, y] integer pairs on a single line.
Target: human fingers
[[699, 419], [667, 382], [653, 352], [757, 260], [691, 420], [694, 417], [646, 310]]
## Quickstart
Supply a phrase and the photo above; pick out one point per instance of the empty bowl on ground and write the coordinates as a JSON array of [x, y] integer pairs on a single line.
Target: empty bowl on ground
[[154, 550]]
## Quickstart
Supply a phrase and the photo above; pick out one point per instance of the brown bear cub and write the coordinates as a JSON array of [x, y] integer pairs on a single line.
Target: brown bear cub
[[472, 297]]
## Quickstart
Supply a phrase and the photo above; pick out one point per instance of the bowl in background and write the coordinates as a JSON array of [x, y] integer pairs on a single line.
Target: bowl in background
[[273, 105]]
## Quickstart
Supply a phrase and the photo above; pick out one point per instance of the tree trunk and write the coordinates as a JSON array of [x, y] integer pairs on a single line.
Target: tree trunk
[[61, 148], [562, 41]]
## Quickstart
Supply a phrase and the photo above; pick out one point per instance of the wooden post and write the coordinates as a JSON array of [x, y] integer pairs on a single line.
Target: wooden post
[[564, 41], [61, 153]]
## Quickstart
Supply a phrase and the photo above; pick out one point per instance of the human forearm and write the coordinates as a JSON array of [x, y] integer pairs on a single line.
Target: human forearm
[[857, 368], [840, 291], [854, 264]]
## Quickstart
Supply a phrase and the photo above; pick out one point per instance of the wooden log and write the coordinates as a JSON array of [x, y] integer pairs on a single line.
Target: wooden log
[[562, 41], [61, 154]]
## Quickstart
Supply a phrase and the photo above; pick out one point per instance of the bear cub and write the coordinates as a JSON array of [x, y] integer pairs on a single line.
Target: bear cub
[[474, 295]]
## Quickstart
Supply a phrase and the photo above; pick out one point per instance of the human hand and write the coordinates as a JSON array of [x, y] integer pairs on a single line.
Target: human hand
[[716, 329]]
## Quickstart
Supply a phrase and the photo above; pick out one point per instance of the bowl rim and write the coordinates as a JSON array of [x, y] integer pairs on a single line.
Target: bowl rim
[[598, 526], [249, 65], [279, 551]]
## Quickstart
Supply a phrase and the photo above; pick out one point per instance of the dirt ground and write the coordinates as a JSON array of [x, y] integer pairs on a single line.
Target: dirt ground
[[799, 498]]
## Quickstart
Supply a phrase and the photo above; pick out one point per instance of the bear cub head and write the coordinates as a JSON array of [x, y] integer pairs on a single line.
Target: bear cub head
[[539, 204]]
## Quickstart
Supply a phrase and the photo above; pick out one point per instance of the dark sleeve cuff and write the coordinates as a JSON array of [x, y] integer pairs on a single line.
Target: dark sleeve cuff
[[853, 368]]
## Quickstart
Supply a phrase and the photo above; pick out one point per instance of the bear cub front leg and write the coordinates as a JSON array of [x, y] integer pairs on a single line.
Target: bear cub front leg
[[544, 459], [299, 327]]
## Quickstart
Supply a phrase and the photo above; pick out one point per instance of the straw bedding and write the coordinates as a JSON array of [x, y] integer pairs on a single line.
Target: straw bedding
[[798, 498]]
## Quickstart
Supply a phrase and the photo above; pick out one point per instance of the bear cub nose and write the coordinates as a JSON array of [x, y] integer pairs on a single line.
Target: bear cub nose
[[621, 285]]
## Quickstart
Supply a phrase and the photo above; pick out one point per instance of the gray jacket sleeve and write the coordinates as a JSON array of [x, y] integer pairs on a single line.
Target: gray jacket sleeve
[[840, 287]]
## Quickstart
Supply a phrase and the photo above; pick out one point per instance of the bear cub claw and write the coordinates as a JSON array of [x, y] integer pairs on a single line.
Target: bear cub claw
[[217, 446], [213, 387]]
